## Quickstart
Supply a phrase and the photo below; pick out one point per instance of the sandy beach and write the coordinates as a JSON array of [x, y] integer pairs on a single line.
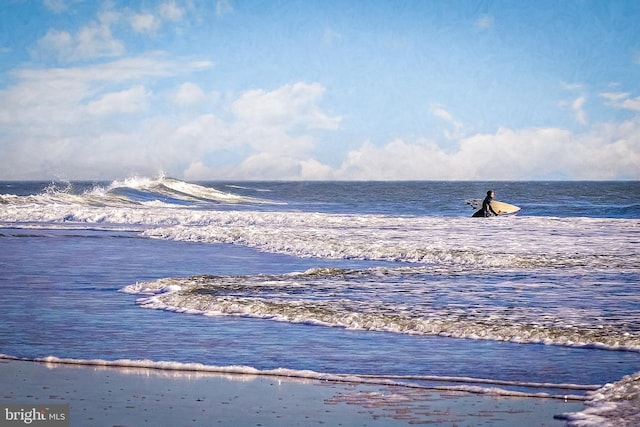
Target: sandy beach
[[109, 396]]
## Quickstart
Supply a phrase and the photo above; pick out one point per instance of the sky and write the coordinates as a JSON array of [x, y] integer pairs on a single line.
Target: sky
[[320, 89]]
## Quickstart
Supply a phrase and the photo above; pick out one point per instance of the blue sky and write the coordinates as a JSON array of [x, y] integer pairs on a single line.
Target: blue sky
[[348, 90]]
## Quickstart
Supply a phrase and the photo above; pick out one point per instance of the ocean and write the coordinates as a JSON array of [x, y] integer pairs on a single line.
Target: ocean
[[372, 281]]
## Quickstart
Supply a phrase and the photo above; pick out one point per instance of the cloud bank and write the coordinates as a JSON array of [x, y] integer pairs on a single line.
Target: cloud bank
[[605, 152], [94, 122]]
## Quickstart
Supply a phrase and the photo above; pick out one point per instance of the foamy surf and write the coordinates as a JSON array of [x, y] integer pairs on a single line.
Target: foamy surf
[[132, 192], [444, 383], [173, 188], [614, 405], [365, 300]]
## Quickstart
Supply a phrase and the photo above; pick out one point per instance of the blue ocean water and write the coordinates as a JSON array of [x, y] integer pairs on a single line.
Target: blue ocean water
[[387, 279]]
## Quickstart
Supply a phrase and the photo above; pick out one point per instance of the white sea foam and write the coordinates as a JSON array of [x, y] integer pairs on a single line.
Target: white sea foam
[[554, 253], [182, 190], [522, 242], [525, 242], [129, 193], [433, 383], [370, 300], [616, 405]]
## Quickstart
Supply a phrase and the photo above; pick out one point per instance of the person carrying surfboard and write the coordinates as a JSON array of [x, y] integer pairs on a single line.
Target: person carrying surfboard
[[491, 207], [486, 209]]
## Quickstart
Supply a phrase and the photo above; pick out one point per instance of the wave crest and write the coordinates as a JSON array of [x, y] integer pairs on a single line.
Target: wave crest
[[130, 192], [366, 300]]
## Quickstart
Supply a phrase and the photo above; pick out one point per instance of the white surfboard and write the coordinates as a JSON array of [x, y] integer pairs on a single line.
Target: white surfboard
[[501, 208]]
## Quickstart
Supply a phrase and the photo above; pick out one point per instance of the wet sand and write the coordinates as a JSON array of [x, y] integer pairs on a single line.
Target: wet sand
[[112, 396]]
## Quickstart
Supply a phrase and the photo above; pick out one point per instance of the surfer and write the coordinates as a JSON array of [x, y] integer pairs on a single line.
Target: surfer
[[486, 209]]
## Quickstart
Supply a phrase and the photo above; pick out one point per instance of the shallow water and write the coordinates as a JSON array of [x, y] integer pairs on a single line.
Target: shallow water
[[326, 277]]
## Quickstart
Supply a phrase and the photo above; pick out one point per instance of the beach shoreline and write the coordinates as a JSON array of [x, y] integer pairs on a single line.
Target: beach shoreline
[[118, 396]]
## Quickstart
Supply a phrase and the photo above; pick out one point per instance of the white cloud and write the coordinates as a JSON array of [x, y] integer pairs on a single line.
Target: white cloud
[[52, 121], [150, 23], [127, 101], [145, 23], [203, 134], [395, 160], [269, 166], [95, 39], [189, 94], [572, 86], [615, 97], [632, 104], [454, 126], [171, 11], [56, 5], [281, 121], [91, 41], [199, 171], [607, 151], [576, 106], [267, 133], [311, 169], [578, 109], [622, 100], [59, 43], [441, 113], [53, 98], [121, 70], [55, 121], [293, 105], [223, 7]]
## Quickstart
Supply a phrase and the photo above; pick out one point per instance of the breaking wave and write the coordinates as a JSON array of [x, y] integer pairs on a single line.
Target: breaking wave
[[400, 300], [136, 191]]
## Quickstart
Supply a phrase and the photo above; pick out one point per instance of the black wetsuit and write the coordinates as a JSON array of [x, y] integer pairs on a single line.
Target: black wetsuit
[[486, 209]]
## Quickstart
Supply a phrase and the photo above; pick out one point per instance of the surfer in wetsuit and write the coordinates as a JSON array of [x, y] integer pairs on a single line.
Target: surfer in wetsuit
[[486, 209]]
